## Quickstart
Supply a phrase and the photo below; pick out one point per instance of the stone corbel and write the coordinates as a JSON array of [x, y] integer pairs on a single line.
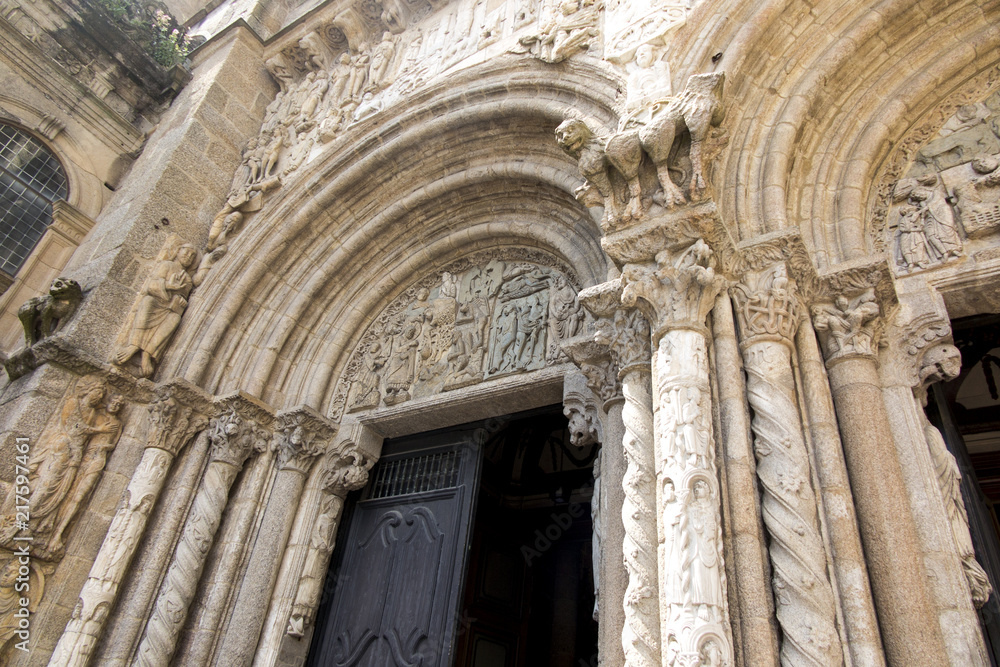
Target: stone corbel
[[300, 436], [580, 408]]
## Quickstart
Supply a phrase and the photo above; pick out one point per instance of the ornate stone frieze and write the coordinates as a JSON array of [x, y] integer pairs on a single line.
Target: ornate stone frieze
[[978, 196], [567, 28], [926, 233], [617, 176], [676, 291], [849, 327], [64, 467], [479, 319], [162, 301], [301, 435], [956, 131], [344, 471]]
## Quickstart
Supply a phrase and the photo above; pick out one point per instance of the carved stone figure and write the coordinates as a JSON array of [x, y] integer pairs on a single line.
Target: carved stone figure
[[648, 85], [402, 365], [849, 327], [108, 430], [569, 31], [42, 316], [158, 311], [950, 481], [359, 72], [979, 198], [600, 170], [565, 316], [366, 389], [381, 60], [704, 559], [57, 457]]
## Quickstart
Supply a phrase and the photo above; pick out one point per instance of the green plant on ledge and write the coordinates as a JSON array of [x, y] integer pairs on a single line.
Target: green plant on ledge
[[153, 29]]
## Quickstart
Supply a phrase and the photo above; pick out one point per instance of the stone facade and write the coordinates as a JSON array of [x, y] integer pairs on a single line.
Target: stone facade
[[728, 236]]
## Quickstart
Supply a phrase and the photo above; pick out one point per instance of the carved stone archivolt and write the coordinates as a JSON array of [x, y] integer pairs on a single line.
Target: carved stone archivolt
[[482, 318]]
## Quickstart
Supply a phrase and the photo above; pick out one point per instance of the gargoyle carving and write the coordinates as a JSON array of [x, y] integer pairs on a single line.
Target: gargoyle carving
[[42, 316]]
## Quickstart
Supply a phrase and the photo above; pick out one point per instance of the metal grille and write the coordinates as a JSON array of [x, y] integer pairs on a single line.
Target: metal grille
[[416, 475], [30, 179]]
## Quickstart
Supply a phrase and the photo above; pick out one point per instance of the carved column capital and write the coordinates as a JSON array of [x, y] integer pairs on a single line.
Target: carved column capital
[[849, 327], [767, 306], [242, 428], [623, 331], [676, 291], [178, 411], [300, 436]]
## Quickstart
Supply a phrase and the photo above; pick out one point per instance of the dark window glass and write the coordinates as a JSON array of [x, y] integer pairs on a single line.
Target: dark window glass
[[30, 180]]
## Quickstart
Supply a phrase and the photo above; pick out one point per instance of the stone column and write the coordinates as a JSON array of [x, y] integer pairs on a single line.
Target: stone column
[[850, 330], [626, 334], [302, 435], [234, 437], [757, 628], [345, 471], [676, 292], [178, 412], [594, 361], [860, 623], [768, 312]]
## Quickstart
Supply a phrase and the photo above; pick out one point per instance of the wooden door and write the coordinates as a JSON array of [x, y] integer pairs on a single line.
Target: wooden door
[[399, 586]]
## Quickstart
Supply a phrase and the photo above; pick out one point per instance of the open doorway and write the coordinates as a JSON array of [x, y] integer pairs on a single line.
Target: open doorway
[[967, 412], [470, 547]]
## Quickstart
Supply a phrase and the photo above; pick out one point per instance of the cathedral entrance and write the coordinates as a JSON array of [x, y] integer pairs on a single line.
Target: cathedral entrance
[[470, 547]]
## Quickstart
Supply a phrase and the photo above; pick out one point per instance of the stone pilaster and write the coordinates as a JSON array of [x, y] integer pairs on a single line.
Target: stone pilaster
[[768, 311], [179, 411], [626, 335], [238, 432], [850, 330], [302, 435], [676, 293]]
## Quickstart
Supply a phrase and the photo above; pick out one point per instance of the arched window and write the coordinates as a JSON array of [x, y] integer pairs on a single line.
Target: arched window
[[31, 178]]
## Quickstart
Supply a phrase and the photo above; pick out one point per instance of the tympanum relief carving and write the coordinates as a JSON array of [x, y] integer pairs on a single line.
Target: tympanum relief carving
[[478, 321], [950, 193]]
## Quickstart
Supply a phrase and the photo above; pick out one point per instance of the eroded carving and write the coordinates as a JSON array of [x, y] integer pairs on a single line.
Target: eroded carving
[[570, 29], [926, 233], [613, 166], [849, 327], [65, 465], [42, 316], [161, 304], [978, 198]]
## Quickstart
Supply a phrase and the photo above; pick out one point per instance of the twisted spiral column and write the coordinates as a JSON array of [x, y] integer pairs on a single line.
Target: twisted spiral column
[[805, 604], [641, 634], [182, 577]]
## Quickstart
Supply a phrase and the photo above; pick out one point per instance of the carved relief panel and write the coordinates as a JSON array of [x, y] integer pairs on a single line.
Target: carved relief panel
[[483, 318], [951, 193]]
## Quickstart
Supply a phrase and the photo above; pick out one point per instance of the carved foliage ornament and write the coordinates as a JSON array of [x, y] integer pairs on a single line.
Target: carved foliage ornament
[[478, 320], [767, 306]]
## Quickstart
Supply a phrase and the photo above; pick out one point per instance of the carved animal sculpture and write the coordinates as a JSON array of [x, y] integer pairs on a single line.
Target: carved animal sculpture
[[41, 316], [577, 139], [696, 109]]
